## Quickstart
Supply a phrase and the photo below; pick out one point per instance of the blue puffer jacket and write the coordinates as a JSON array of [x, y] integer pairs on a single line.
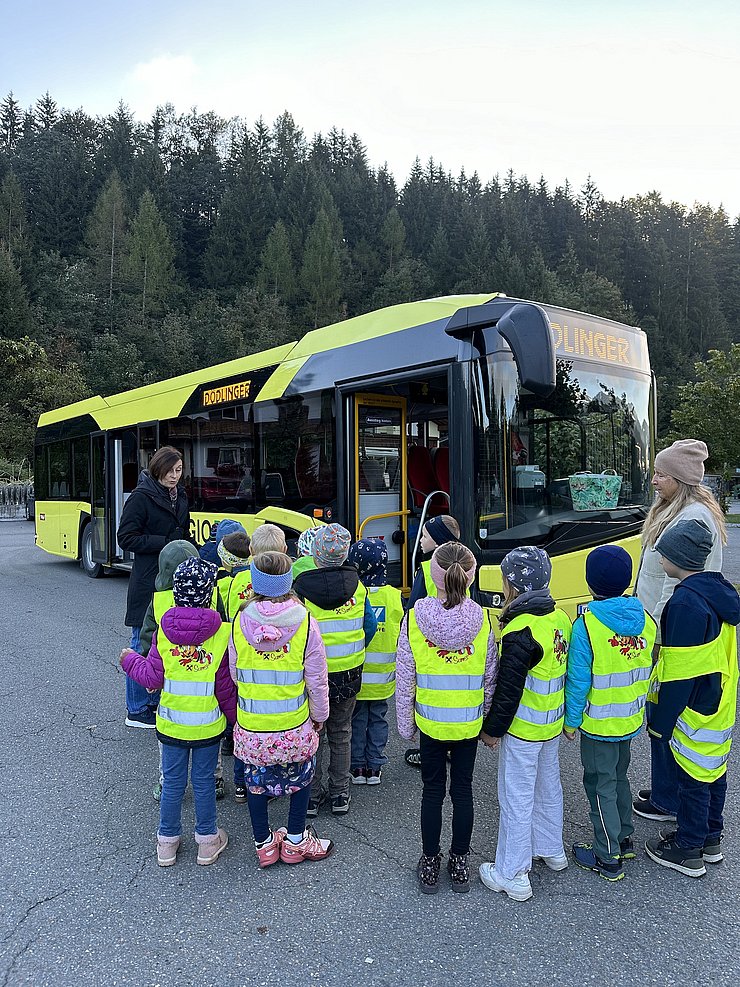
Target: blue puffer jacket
[[622, 614]]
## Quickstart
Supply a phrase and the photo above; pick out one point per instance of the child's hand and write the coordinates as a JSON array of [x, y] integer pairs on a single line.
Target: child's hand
[[491, 742], [569, 734], [122, 655], [318, 727]]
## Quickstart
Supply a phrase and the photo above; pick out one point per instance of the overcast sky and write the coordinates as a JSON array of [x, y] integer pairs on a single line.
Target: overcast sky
[[641, 95]]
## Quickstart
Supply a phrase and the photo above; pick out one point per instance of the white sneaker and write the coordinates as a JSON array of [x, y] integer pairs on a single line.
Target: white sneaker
[[555, 863], [518, 888]]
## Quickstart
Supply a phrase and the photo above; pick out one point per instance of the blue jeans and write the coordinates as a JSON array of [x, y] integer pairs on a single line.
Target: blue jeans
[[239, 777], [369, 734], [137, 698], [296, 813], [175, 760], [700, 806], [663, 777]]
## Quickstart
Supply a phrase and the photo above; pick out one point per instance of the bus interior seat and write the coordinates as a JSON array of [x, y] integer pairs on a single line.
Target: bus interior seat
[[441, 463], [423, 480], [273, 486]]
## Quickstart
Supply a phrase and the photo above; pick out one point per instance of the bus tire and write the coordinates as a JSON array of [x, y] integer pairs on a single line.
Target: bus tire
[[92, 569]]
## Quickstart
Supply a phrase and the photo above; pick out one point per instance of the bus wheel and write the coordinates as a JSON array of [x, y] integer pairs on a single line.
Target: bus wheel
[[91, 568]]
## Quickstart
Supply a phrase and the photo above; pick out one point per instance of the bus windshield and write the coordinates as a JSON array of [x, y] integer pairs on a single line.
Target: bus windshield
[[537, 459]]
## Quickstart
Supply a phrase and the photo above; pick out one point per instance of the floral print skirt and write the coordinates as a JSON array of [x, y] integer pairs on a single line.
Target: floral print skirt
[[277, 763]]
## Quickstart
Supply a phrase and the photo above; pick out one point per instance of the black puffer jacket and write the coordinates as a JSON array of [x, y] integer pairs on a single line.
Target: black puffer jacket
[[149, 522], [518, 654], [329, 588]]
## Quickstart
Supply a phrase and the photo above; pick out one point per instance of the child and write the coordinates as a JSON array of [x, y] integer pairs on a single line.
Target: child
[[527, 714], [268, 538], [209, 550], [369, 725], [235, 585], [277, 660], [445, 676], [305, 548], [609, 665], [693, 696], [197, 699], [334, 595], [436, 531]]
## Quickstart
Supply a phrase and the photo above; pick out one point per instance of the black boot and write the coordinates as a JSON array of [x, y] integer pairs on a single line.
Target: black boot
[[459, 867], [428, 872]]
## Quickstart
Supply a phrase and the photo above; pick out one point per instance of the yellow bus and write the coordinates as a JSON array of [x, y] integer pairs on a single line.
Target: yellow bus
[[530, 424]]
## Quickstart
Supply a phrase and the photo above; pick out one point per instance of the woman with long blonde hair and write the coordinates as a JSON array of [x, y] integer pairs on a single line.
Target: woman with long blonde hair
[[680, 496]]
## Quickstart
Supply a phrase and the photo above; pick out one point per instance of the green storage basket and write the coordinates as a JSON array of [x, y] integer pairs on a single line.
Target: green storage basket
[[595, 491]]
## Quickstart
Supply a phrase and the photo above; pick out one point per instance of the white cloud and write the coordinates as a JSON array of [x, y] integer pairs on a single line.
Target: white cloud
[[164, 78]]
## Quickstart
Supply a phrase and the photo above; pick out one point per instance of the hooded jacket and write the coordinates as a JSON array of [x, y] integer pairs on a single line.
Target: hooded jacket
[[268, 625], [169, 559], [209, 551], [624, 615], [519, 653], [453, 629], [653, 586], [329, 587], [694, 615], [149, 521], [184, 625]]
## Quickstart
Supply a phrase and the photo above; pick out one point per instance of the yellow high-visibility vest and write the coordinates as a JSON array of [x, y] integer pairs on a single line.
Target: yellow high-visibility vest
[[342, 631], [379, 670]]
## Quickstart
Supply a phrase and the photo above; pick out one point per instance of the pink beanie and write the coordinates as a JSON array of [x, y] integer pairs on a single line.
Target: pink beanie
[[438, 574], [684, 461]]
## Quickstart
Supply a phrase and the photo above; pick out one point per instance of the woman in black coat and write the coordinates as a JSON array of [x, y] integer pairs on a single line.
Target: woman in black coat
[[155, 514]]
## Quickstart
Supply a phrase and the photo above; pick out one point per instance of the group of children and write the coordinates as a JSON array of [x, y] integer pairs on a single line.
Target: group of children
[[301, 658]]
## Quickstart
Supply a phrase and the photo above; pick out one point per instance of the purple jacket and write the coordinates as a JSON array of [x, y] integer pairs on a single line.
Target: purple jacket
[[183, 625], [454, 629]]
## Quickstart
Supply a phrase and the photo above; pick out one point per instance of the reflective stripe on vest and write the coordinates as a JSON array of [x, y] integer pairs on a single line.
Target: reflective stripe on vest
[[342, 631], [270, 684], [542, 706], [188, 708], [164, 600], [449, 684], [620, 673], [701, 742], [379, 670]]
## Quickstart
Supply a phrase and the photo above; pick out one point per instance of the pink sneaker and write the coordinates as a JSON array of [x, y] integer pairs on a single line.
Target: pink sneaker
[[211, 847], [270, 853], [310, 848]]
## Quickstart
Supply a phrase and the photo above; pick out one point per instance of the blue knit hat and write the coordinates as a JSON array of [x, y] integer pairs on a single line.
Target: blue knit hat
[[209, 551], [266, 584], [371, 558], [608, 571]]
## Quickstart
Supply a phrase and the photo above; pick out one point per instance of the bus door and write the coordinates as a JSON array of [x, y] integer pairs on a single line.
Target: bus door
[[115, 473], [100, 515], [379, 478]]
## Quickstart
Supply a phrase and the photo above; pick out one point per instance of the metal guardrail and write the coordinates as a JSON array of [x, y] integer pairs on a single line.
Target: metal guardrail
[[16, 501]]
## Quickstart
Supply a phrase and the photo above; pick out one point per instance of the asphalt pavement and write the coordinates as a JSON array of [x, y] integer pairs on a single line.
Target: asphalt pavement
[[83, 902]]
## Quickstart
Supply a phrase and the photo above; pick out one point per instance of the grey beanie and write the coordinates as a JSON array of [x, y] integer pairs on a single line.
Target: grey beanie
[[686, 544]]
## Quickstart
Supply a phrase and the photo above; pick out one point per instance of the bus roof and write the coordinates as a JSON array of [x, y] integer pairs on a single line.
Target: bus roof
[[167, 398]]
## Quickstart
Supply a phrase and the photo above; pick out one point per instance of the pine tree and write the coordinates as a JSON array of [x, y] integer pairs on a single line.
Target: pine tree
[[11, 123], [16, 319], [12, 212], [277, 275], [47, 112], [107, 236], [148, 264], [321, 271], [394, 238]]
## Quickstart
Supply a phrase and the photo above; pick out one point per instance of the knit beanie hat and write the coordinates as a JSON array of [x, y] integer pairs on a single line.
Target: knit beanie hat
[[331, 545], [439, 532], [684, 461], [371, 558], [306, 540], [209, 551], [686, 544], [192, 583], [608, 571], [527, 568]]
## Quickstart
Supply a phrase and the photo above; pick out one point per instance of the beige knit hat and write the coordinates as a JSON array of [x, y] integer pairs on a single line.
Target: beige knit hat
[[684, 461]]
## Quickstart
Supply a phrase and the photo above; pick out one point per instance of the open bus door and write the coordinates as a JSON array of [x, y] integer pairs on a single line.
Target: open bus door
[[379, 481], [113, 476]]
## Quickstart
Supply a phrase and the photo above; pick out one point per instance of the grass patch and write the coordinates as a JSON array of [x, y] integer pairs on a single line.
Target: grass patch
[[732, 518]]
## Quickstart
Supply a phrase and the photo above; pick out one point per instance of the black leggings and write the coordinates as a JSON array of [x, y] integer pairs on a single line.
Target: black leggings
[[434, 776]]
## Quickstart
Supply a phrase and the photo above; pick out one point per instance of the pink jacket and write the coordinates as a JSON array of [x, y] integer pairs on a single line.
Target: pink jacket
[[267, 625], [183, 625], [452, 629]]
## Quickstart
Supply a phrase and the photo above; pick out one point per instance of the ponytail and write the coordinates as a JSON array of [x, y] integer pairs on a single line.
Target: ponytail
[[458, 563], [456, 584]]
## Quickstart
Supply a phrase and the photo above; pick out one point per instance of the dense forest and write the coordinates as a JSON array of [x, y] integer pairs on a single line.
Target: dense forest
[[132, 251]]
